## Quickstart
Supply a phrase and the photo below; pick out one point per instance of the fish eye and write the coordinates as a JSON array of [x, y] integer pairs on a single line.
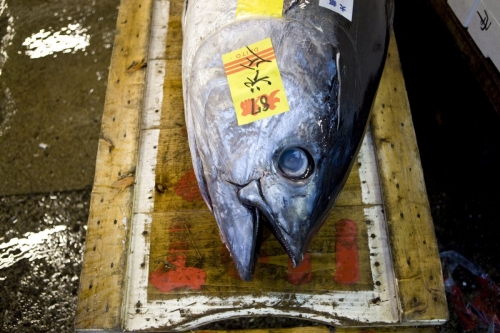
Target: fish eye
[[295, 163]]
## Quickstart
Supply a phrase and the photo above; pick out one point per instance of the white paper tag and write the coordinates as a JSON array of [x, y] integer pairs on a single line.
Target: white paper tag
[[343, 7]]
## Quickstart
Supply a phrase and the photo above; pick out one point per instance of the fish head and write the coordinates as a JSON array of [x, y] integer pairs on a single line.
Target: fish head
[[277, 170], [285, 170]]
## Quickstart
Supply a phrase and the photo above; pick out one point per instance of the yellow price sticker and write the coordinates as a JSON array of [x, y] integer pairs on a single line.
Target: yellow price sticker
[[247, 8], [255, 82]]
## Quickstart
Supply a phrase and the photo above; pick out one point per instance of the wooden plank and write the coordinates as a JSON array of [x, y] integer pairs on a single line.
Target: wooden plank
[[197, 240], [184, 276], [178, 241], [319, 329], [387, 330], [173, 231], [323, 329], [411, 231], [484, 70], [103, 272]]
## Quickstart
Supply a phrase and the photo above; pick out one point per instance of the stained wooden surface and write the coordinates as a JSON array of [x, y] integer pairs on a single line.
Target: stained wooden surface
[[153, 252], [180, 273], [411, 231], [102, 279], [323, 329]]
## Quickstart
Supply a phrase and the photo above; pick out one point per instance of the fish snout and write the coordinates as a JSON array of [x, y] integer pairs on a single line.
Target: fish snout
[[291, 239]]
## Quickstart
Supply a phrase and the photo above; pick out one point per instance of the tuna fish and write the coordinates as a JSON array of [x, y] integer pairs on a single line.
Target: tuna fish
[[284, 171]]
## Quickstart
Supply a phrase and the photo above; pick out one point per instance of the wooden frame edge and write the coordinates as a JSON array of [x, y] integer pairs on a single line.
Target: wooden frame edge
[[411, 231], [100, 294]]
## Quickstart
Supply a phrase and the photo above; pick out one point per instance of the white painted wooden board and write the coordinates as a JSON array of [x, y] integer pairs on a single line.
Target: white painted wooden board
[[145, 185], [494, 7], [187, 311], [482, 20], [170, 222], [463, 9], [485, 31]]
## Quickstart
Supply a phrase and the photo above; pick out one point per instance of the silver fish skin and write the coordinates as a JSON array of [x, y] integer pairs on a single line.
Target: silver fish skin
[[287, 170]]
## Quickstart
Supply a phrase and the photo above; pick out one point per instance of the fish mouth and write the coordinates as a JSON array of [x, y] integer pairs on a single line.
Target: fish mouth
[[241, 232], [252, 197], [246, 265]]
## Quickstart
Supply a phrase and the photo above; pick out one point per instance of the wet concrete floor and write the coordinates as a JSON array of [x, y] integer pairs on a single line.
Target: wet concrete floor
[[54, 57], [53, 60]]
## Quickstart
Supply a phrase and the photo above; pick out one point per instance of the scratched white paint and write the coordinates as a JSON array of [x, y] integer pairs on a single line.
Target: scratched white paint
[[145, 186], [381, 259], [324, 308], [368, 172], [378, 239], [156, 66], [137, 270]]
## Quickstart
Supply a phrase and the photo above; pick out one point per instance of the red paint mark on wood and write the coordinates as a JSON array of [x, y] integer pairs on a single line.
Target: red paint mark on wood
[[179, 246], [187, 187], [301, 274], [174, 274], [177, 275], [346, 252]]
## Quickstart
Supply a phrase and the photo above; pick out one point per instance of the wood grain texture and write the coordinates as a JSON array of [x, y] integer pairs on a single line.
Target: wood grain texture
[[103, 272], [324, 329], [313, 329], [195, 236], [411, 231]]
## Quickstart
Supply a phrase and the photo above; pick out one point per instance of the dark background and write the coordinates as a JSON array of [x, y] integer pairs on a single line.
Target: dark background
[[458, 134]]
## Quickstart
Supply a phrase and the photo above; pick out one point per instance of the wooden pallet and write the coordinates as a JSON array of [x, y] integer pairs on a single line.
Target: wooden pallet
[[153, 258]]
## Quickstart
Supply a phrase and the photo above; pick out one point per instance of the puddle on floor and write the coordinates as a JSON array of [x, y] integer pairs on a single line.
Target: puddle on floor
[[54, 58], [41, 247]]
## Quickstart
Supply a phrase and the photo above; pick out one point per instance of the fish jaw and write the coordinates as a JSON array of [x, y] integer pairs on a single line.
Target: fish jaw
[[239, 227], [288, 216]]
